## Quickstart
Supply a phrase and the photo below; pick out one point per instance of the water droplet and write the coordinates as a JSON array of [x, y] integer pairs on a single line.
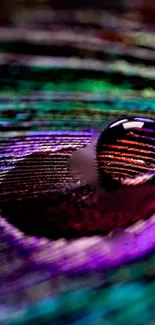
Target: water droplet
[[125, 149]]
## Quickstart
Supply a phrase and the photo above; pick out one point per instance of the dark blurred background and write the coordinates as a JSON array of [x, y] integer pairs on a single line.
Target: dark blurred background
[[143, 8]]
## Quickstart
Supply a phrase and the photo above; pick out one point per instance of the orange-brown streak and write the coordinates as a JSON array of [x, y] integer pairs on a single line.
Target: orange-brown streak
[[113, 146], [129, 142], [121, 159], [106, 152]]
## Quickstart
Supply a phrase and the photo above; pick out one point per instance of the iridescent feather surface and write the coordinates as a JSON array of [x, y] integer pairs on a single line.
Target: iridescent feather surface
[[77, 211]]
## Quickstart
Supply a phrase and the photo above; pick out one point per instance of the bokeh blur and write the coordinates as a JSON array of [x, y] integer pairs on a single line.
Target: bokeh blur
[[67, 68]]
